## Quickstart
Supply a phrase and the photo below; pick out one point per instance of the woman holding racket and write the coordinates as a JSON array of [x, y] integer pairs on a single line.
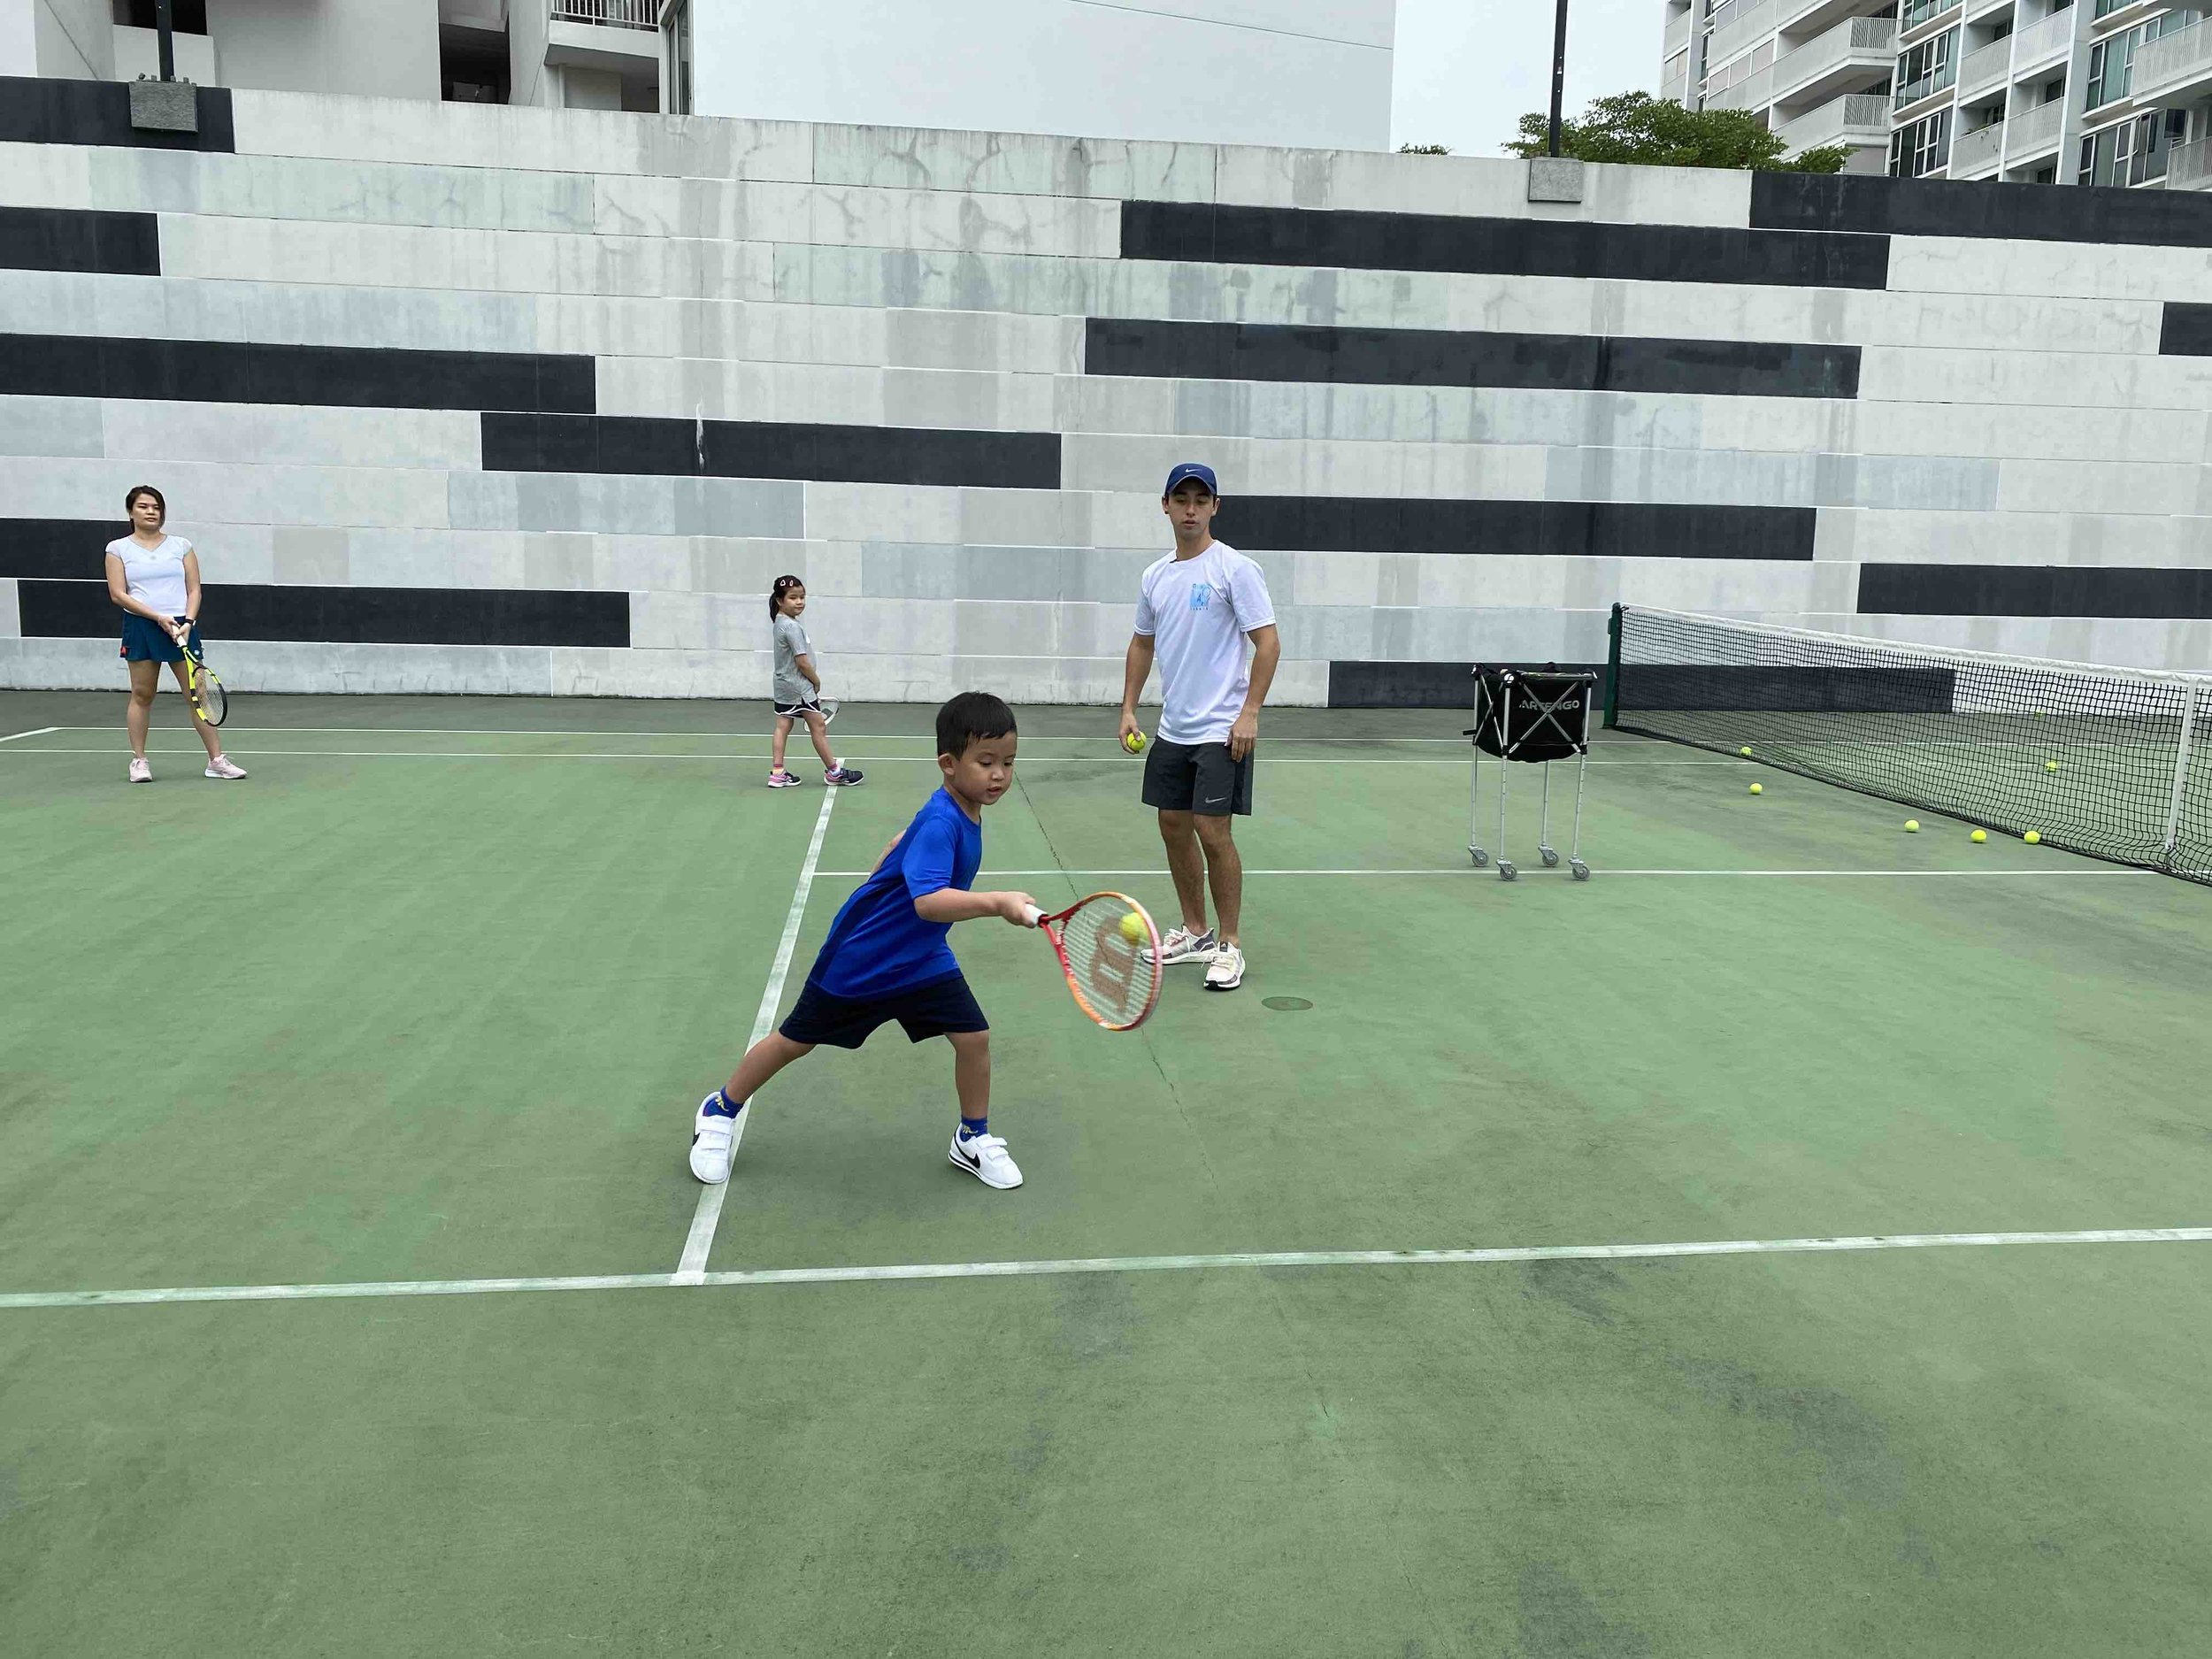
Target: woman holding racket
[[154, 578], [798, 687]]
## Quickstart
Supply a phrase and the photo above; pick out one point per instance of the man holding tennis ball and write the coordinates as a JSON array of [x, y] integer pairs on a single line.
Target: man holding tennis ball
[[1196, 609]]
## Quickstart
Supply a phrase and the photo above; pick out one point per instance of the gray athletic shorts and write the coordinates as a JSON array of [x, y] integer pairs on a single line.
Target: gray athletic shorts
[[1197, 778]]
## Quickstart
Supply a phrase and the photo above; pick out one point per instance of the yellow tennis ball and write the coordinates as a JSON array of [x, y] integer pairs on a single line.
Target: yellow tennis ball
[[1758, 788], [1912, 827], [2032, 838], [2050, 765], [1745, 753], [1133, 928], [1979, 837], [1133, 742]]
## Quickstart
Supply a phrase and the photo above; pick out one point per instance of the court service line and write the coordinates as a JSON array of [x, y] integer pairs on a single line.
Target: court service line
[[887, 737], [911, 760], [40, 732], [1600, 870], [1068, 1265], [699, 1242]]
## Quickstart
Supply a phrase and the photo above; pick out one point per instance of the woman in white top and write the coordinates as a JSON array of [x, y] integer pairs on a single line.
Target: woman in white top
[[154, 578]]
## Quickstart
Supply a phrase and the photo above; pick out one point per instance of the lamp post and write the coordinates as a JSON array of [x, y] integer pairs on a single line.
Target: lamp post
[[169, 50], [1558, 71]]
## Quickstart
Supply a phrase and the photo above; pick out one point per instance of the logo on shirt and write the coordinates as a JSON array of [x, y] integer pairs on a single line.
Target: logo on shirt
[[1200, 597]]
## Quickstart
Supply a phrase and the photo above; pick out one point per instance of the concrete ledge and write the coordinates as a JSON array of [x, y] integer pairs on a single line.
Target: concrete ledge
[[165, 106], [1554, 179]]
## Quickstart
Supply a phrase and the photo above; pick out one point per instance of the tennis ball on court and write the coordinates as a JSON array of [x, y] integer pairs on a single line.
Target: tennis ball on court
[[1133, 742], [1745, 753], [1979, 837], [2050, 765], [1912, 827], [1758, 788], [1133, 928], [2032, 838]]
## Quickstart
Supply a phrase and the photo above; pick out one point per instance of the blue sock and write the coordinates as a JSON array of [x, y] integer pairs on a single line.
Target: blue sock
[[971, 1127], [720, 1106]]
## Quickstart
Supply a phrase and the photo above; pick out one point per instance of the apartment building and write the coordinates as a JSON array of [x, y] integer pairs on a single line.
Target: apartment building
[[2110, 92]]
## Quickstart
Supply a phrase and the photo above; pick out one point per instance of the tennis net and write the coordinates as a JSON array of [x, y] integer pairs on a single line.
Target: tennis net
[[2116, 763]]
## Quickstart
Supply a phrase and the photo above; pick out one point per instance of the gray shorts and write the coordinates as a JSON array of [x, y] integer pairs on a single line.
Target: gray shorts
[[1197, 778]]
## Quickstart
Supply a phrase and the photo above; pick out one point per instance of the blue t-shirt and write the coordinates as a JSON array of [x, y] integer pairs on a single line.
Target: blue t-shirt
[[878, 945]]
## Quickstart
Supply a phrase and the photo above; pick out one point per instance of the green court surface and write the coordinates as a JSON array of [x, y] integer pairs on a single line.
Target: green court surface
[[422, 1009]]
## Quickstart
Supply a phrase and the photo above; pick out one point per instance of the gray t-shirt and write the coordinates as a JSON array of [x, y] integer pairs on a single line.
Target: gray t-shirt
[[791, 645]]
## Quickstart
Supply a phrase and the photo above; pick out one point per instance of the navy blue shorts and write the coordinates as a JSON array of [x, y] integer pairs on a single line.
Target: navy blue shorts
[[939, 1009], [146, 641]]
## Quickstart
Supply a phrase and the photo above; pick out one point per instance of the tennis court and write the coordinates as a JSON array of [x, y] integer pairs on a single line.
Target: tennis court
[[399, 1041]]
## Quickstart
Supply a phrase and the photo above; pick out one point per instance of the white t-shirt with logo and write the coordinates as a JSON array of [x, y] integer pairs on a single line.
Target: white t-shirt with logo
[[154, 575], [1196, 612]]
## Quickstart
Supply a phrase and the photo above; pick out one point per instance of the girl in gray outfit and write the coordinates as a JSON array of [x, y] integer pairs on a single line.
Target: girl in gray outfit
[[798, 687]]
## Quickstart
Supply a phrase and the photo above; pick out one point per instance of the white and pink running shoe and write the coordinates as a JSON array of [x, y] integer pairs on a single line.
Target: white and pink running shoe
[[140, 773], [224, 769], [782, 781]]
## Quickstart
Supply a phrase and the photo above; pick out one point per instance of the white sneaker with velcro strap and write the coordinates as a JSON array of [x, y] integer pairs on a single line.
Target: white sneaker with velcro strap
[[984, 1157], [1182, 945]]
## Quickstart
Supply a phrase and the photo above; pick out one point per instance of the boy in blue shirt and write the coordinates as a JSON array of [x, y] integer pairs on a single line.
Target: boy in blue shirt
[[887, 957]]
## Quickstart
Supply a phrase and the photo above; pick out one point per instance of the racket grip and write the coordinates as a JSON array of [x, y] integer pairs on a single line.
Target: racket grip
[[1032, 915]]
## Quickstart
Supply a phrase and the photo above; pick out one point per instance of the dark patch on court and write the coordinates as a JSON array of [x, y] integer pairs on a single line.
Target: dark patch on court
[[1560, 1620], [1098, 1315], [1580, 1287], [1851, 1446]]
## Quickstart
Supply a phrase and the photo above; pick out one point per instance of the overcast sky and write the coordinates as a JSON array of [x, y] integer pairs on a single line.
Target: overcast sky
[[1466, 69]]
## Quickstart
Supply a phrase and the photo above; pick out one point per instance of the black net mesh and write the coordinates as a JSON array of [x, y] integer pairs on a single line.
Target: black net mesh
[[2114, 763]]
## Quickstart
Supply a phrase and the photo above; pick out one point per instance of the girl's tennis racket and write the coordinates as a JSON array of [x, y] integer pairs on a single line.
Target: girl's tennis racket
[[1111, 952], [209, 701], [828, 706]]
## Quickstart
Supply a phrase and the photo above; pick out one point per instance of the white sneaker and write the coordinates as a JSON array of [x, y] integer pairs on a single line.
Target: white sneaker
[[1182, 945], [984, 1157], [140, 773], [1227, 971], [714, 1142], [224, 769]]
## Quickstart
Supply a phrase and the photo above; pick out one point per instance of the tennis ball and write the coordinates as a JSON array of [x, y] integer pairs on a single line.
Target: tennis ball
[[1912, 827], [1979, 837], [1758, 788], [2050, 765], [1133, 742], [1133, 928], [1745, 753], [2032, 838]]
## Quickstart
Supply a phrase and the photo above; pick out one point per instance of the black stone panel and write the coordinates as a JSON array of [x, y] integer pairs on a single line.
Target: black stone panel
[[1359, 240], [56, 111], [2185, 330], [1424, 685], [353, 616], [1425, 357], [236, 372], [1945, 207], [2033, 590], [1384, 524], [765, 449], [57, 547], [64, 239]]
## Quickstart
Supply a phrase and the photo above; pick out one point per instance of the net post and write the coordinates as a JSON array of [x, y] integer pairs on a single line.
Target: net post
[[1613, 668], [2181, 776]]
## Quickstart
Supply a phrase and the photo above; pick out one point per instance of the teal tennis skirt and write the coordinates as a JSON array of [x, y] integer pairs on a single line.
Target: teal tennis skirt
[[146, 641]]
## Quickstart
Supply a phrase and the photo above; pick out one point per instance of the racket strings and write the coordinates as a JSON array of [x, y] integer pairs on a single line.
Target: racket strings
[[1114, 975]]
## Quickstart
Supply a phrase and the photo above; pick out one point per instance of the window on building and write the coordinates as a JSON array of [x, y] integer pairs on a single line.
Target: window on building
[[2112, 63], [1913, 13], [2134, 152], [1924, 147], [1927, 68]]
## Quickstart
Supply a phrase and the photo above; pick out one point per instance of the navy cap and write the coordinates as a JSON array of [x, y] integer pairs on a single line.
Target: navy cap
[[1187, 470]]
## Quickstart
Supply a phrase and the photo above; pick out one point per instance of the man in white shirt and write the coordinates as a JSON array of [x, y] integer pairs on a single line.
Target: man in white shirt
[[1195, 610]]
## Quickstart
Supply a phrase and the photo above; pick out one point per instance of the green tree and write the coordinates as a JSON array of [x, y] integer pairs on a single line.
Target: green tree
[[1634, 127]]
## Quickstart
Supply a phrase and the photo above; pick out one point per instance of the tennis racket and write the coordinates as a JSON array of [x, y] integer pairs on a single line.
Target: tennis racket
[[828, 705], [209, 701], [1109, 951]]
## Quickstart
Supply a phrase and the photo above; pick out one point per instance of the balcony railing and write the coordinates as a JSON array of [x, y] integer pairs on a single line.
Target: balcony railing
[[1858, 115], [2189, 166], [1915, 13], [1750, 25], [1872, 40], [2040, 41], [1972, 152], [2173, 63], [614, 14], [2038, 128], [1985, 66], [1754, 91], [1677, 34]]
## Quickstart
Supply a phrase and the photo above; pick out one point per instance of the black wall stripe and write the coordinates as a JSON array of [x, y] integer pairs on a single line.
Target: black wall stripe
[[1423, 357], [354, 615], [64, 239], [765, 449], [1422, 685], [1945, 207], [234, 372], [1381, 523], [2036, 590], [57, 547], [1363, 240], [57, 111], [2184, 330]]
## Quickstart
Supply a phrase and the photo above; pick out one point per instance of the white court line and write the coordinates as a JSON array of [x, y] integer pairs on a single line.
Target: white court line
[[700, 1241], [911, 760], [888, 737], [1600, 869], [39, 732], [1104, 1264]]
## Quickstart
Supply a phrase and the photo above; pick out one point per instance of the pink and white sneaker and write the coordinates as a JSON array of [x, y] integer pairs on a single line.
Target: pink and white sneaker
[[224, 769], [782, 781], [140, 773]]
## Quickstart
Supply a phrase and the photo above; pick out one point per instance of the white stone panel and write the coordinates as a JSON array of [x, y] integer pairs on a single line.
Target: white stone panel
[[245, 435], [52, 426], [1978, 266], [1013, 164]]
